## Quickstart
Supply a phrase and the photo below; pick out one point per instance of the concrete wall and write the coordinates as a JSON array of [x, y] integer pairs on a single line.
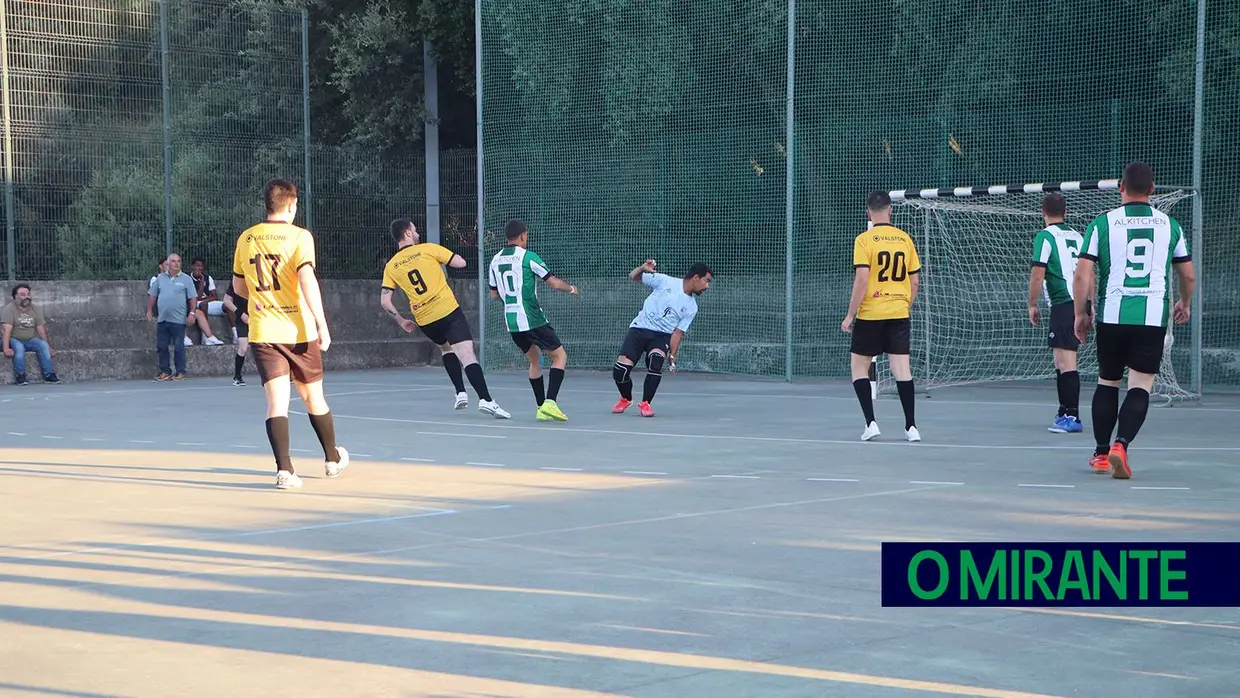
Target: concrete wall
[[98, 331]]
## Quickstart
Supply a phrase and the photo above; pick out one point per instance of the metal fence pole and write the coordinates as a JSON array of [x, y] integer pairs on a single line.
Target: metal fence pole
[[482, 306], [1198, 207], [790, 185], [10, 226], [305, 115], [430, 80], [167, 99]]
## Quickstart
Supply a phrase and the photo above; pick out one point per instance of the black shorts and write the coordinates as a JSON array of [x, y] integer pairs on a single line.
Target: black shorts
[[302, 363], [1063, 327], [875, 337], [639, 342], [543, 337], [1138, 347], [452, 328]]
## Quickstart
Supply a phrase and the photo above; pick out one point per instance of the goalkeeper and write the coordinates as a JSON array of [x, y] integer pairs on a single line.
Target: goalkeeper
[[1055, 249]]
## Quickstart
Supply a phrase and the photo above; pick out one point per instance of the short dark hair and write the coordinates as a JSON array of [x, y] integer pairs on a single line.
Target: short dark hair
[[399, 227], [19, 286], [878, 200], [1139, 178], [699, 269], [279, 194], [514, 229], [1053, 204], [196, 260]]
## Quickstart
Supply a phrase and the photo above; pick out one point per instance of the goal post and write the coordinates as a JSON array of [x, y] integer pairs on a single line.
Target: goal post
[[970, 320]]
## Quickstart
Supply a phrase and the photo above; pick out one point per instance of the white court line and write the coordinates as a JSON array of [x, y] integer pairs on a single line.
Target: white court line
[[56, 438], [89, 439], [1135, 487], [565, 470], [933, 482], [738, 477], [189, 443], [140, 441], [736, 437], [1036, 485], [641, 472], [832, 479], [420, 460], [363, 455], [487, 465], [300, 450], [242, 446], [390, 390], [17, 433]]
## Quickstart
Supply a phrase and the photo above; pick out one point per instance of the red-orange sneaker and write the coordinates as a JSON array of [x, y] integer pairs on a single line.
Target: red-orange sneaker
[[1100, 464], [647, 410], [1119, 462], [621, 406]]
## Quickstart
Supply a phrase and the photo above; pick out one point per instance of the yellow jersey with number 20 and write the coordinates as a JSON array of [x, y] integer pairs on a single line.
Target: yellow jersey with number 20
[[417, 270], [891, 257], [268, 257]]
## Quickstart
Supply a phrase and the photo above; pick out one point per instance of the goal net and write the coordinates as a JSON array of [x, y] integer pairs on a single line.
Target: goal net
[[970, 320]]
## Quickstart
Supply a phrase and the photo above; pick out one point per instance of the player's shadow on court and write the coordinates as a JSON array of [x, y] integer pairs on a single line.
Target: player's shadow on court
[[258, 483]]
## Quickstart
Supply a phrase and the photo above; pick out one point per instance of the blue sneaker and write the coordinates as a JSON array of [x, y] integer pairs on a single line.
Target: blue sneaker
[[1065, 424]]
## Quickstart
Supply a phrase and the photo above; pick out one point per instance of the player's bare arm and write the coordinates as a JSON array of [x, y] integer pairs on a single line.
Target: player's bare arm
[[914, 284], [150, 312], [457, 262], [1082, 290], [678, 335], [861, 285], [385, 301], [647, 267], [239, 287], [1036, 278], [1187, 276], [558, 284], [495, 294], [309, 285]]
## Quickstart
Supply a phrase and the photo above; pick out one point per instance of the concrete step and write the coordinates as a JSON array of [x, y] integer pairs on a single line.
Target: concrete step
[[201, 361]]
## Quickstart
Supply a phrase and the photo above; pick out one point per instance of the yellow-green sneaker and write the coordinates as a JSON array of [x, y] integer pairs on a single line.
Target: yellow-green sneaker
[[550, 410]]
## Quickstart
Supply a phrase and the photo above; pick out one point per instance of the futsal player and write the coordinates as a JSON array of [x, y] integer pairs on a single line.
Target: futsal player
[[658, 329], [884, 288], [514, 273], [241, 332], [273, 268], [1134, 247], [1055, 249], [417, 270]]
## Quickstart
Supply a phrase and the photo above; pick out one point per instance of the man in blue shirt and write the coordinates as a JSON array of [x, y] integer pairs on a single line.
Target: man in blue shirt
[[657, 330], [170, 300]]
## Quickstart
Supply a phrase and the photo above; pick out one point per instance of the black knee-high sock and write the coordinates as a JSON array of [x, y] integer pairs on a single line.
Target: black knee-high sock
[[553, 386], [537, 385], [905, 389], [478, 380], [1069, 385], [654, 375], [620, 374], [862, 386], [1059, 387], [325, 429], [238, 363], [277, 436], [1105, 413], [452, 364], [1132, 414]]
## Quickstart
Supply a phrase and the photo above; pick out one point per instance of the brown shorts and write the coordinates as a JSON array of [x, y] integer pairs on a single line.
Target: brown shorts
[[303, 362]]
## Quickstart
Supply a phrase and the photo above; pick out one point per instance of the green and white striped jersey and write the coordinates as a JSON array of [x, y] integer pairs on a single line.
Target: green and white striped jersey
[[514, 274], [1134, 246], [1055, 248]]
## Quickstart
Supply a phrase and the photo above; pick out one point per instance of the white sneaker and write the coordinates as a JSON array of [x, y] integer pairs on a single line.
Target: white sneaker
[[334, 469], [287, 481], [189, 342], [212, 341], [870, 432], [912, 434], [462, 401], [492, 408]]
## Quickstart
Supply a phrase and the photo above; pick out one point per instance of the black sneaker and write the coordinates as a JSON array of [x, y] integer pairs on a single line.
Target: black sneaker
[[238, 380], [51, 378], [21, 379]]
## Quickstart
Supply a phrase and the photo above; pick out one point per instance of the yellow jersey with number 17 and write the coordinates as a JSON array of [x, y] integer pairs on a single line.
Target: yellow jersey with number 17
[[268, 257], [891, 257], [418, 271]]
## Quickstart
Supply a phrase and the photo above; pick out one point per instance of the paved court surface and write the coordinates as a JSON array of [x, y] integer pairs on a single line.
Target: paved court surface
[[727, 547]]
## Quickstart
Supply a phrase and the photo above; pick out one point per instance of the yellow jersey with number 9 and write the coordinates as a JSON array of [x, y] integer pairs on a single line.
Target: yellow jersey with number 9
[[417, 270], [891, 257], [268, 257]]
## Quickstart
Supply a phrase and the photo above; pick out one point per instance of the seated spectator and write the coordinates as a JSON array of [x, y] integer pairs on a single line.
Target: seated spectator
[[206, 303], [25, 330]]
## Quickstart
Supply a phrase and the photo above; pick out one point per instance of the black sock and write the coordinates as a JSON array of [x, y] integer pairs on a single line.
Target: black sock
[[1105, 412], [1132, 414], [1069, 385], [452, 364], [620, 374], [277, 435], [478, 380], [1059, 387], [862, 386], [654, 375], [905, 389], [325, 429], [537, 385], [238, 362], [553, 386]]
